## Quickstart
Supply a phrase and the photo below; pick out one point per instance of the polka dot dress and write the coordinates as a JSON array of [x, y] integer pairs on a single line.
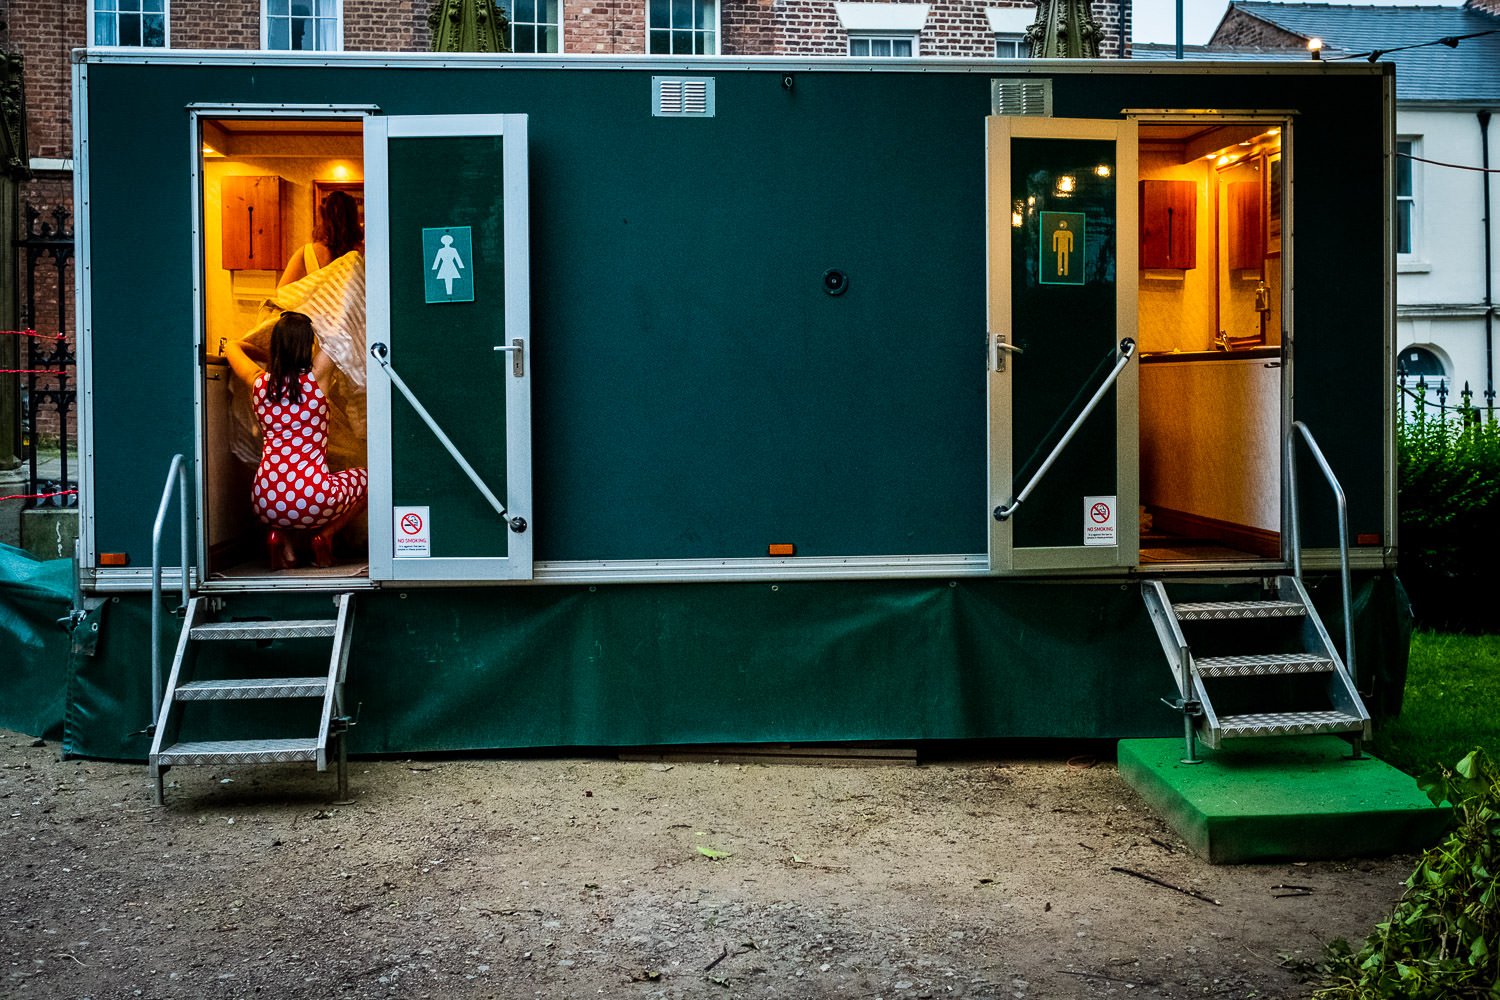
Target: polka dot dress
[[293, 487]]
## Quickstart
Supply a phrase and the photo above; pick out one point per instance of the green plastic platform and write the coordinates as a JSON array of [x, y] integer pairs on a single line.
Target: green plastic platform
[[1300, 798]]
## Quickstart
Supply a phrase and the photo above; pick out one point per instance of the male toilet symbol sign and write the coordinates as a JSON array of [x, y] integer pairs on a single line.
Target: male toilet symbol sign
[[1062, 256], [448, 264]]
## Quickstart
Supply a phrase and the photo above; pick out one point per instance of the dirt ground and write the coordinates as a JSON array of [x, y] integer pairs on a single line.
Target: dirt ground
[[590, 877]]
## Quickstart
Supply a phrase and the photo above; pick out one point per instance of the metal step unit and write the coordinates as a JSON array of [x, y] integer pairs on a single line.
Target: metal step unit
[[1265, 687], [180, 692]]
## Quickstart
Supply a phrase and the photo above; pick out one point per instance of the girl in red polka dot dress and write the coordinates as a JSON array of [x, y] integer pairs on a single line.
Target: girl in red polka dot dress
[[294, 491]]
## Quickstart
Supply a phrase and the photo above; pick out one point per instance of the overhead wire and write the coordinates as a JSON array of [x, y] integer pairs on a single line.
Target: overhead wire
[[1373, 55]]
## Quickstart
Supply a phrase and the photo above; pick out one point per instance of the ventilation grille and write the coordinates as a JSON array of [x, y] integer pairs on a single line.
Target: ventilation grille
[[1022, 97], [682, 97]]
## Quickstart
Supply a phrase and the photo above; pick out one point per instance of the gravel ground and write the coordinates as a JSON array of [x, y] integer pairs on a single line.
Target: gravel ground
[[596, 877]]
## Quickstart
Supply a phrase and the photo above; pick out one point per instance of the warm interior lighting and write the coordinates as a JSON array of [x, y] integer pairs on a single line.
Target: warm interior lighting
[[1102, 170], [340, 171], [1065, 184], [1016, 220], [1221, 161], [210, 151]]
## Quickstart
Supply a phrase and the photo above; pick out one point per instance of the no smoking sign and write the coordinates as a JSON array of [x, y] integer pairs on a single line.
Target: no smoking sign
[[413, 537], [1099, 521]]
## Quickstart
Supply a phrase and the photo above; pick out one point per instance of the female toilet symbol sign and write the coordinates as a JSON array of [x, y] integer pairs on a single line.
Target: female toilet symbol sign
[[448, 264]]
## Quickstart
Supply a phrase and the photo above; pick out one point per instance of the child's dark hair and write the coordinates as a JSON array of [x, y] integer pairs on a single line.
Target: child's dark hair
[[338, 225], [291, 355]]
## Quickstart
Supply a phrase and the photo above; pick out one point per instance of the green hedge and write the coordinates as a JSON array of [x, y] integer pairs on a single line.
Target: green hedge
[[1449, 502], [1442, 941]]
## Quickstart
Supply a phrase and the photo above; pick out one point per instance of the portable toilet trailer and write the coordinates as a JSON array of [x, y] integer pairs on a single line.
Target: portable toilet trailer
[[725, 401]]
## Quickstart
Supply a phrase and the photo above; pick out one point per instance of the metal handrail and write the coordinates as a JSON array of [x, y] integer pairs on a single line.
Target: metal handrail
[[1127, 348], [176, 477], [379, 353], [1296, 530]]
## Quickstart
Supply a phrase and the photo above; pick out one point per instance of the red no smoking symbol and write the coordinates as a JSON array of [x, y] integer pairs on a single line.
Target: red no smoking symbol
[[1099, 513], [411, 524]]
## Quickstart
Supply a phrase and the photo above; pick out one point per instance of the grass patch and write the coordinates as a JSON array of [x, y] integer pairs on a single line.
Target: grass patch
[[1452, 703]]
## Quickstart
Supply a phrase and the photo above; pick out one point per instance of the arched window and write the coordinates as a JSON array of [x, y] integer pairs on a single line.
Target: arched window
[[1419, 362], [1421, 375]]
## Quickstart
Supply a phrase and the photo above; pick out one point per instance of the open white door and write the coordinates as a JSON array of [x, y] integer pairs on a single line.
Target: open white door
[[1062, 216], [449, 336]]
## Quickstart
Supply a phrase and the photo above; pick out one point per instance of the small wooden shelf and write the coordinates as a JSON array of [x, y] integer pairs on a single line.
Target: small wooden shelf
[[1169, 225], [252, 222]]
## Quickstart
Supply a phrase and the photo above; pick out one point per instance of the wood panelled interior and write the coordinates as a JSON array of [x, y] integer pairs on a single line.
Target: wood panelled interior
[[252, 208], [1246, 241], [1169, 224], [1210, 433]]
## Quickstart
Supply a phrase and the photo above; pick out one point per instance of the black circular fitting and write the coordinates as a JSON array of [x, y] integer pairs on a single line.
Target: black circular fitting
[[835, 282]]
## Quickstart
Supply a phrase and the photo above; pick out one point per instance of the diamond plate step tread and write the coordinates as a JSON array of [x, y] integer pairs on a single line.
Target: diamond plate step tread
[[1264, 665], [1287, 724], [313, 628], [245, 688], [1203, 611], [303, 748]]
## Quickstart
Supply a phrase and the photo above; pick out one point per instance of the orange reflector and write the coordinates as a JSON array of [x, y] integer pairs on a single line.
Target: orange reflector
[[781, 549], [1367, 539], [114, 559]]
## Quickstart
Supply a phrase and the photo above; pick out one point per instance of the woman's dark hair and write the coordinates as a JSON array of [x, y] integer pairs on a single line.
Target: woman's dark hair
[[291, 355], [338, 225]]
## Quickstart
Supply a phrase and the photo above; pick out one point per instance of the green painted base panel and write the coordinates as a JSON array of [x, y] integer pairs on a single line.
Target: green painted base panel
[[1291, 798]]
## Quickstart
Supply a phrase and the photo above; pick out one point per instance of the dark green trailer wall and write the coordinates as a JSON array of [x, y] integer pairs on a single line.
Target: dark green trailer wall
[[696, 393], [706, 663]]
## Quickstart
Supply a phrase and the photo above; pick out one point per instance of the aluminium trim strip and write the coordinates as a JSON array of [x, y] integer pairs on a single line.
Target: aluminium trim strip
[[200, 345], [699, 64], [120, 581], [84, 319], [1391, 516]]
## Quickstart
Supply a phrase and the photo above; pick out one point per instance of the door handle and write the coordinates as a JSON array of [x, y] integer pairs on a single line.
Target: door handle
[[999, 349], [517, 351]]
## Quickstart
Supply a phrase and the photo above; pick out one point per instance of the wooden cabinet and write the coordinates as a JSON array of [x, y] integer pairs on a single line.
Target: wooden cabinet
[[1169, 224], [1247, 244], [252, 222]]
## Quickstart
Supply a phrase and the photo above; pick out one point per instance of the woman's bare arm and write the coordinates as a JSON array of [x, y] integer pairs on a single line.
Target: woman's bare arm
[[240, 361]]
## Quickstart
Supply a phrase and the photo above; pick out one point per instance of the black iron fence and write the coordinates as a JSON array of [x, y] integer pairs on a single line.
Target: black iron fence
[[50, 397], [1432, 397]]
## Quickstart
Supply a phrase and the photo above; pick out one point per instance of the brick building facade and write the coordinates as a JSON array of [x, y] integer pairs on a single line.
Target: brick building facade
[[43, 33], [1240, 30]]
